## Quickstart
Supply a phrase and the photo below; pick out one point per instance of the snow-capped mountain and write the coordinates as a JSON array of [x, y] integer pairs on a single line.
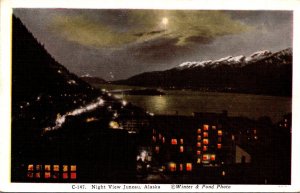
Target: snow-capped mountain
[[258, 55], [236, 61], [262, 72]]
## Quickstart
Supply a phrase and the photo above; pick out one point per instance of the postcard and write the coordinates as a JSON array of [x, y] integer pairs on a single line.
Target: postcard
[[144, 97]]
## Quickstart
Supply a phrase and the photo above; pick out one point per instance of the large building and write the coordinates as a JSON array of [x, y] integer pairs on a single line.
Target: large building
[[184, 144]]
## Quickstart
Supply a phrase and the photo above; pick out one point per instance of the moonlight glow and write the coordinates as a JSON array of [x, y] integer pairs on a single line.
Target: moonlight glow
[[165, 21]]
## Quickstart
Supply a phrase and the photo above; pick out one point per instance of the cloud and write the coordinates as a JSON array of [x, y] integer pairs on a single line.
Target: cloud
[[84, 32], [157, 50], [117, 28]]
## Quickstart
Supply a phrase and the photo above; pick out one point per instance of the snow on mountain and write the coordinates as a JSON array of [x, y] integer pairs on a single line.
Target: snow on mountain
[[187, 64], [237, 59], [258, 55], [265, 73], [286, 52], [86, 75], [228, 60], [194, 64], [223, 59], [203, 63]]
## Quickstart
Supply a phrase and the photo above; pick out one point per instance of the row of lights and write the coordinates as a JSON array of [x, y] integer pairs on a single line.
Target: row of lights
[[173, 168], [51, 171]]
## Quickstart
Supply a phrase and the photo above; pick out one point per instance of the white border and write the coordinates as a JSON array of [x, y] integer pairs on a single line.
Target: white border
[[5, 81]]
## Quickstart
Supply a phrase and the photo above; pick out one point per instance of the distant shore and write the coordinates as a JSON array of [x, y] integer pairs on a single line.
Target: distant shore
[[147, 91]]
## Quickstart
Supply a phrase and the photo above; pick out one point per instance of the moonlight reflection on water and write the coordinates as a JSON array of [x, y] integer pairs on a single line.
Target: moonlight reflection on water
[[187, 102]]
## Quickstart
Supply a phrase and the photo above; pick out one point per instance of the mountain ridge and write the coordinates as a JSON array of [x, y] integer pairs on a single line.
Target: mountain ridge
[[41, 87], [231, 60], [265, 73], [92, 80]]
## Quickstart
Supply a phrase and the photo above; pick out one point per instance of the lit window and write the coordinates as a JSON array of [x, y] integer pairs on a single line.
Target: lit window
[[157, 149], [232, 137], [198, 144], [91, 119], [73, 175], [65, 176], [163, 140], [254, 131], [65, 168], [219, 139], [47, 167], [38, 175], [205, 134], [205, 141], [159, 136], [181, 141], [205, 157], [181, 167], [199, 137], [204, 148], [220, 133], [30, 167], [47, 175], [55, 175], [214, 127], [38, 167], [212, 157], [172, 167], [219, 145], [73, 168], [198, 152], [30, 175], [198, 131], [188, 166], [181, 149], [198, 161], [223, 173], [205, 127], [56, 168], [174, 141], [154, 139]]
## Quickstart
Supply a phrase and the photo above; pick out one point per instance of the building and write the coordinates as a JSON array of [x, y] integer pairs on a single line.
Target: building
[[241, 156], [187, 143]]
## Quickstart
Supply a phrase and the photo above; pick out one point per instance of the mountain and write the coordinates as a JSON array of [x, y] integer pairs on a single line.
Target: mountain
[[237, 61], [262, 72], [93, 80], [41, 87], [57, 118]]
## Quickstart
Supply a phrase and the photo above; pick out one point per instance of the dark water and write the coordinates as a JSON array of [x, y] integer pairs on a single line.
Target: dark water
[[187, 102]]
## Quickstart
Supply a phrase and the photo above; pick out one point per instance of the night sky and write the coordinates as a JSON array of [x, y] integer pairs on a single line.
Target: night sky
[[117, 44]]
